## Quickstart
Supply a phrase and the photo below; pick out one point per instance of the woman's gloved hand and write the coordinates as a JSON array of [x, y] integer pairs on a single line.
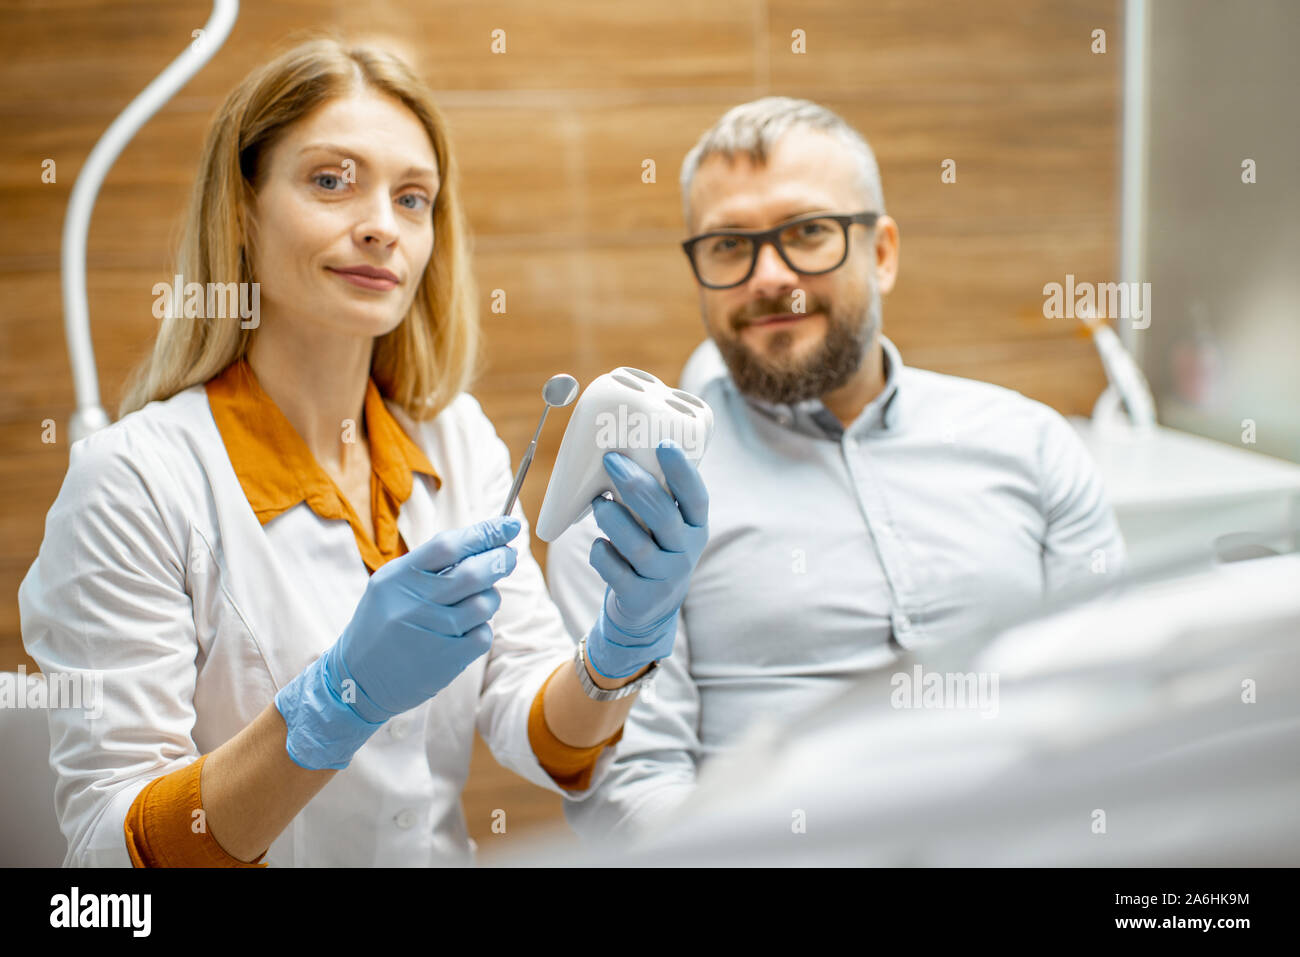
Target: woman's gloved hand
[[647, 573], [422, 620]]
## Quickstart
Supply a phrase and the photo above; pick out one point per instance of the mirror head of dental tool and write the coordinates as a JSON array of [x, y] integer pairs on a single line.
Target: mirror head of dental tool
[[560, 390]]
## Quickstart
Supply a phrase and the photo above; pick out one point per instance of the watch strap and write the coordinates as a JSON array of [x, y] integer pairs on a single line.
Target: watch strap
[[597, 693]]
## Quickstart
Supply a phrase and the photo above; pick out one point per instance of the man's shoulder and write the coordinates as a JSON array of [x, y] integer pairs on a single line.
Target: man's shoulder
[[938, 393]]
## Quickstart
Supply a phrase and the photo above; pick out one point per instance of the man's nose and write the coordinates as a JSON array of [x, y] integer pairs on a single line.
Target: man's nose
[[771, 277]]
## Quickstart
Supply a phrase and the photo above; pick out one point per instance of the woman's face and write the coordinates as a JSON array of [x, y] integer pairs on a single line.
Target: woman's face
[[350, 185]]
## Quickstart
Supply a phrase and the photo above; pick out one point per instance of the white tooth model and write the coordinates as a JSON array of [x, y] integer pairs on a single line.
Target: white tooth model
[[627, 411]]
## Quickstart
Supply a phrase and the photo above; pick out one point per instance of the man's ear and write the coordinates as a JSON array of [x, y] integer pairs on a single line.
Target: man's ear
[[886, 253]]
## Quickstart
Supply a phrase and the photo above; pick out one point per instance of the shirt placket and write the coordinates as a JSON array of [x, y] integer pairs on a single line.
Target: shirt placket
[[890, 548]]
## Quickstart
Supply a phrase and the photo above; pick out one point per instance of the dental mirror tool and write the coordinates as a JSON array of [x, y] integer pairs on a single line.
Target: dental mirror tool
[[559, 391]]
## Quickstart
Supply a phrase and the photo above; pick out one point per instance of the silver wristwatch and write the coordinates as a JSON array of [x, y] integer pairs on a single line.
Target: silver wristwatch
[[597, 693]]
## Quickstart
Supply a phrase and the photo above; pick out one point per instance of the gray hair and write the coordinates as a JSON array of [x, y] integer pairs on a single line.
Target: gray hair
[[754, 128]]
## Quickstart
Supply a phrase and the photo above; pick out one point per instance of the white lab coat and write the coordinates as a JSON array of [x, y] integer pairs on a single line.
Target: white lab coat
[[155, 572]]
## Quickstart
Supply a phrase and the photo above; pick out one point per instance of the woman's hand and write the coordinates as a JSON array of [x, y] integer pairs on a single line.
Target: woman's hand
[[647, 573], [421, 622]]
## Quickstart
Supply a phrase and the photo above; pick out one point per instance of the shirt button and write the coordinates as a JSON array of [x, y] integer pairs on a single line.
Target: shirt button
[[901, 621], [404, 818], [397, 729], [850, 444]]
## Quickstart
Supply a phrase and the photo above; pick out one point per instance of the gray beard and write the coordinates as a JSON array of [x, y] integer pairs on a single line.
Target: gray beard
[[834, 362]]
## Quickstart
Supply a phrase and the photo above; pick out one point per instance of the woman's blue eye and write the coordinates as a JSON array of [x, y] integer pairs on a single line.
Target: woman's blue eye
[[334, 176]]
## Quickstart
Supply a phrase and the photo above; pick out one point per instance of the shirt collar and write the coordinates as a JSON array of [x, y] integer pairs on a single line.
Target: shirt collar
[[811, 417], [274, 466]]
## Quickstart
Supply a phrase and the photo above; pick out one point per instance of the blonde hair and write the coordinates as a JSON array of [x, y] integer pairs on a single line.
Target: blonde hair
[[424, 362]]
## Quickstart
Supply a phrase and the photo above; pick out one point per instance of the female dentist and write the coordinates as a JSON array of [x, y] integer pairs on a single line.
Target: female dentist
[[281, 559]]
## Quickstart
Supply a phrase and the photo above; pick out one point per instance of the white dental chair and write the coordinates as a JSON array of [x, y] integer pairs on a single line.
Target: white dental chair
[[29, 829]]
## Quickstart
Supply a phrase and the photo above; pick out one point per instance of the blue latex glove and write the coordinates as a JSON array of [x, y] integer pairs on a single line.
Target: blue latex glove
[[422, 620], [647, 574]]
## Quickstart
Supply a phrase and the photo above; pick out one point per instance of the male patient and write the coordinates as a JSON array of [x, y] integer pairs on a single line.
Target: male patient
[[857, 507]]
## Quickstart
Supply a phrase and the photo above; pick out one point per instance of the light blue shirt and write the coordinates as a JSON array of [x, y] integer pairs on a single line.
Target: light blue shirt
[[945, 505]]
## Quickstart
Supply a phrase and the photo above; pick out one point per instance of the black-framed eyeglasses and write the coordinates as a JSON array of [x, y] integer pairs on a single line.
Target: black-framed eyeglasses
[[811, 245]]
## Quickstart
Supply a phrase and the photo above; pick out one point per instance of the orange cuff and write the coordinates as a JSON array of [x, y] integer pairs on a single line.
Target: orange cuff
[[571, 768], [163, 830]]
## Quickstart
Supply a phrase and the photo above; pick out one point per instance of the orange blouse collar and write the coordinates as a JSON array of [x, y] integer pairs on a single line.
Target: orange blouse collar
[[276, 469]]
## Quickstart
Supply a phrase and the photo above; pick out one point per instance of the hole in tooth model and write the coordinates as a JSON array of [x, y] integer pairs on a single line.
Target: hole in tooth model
[[688, 398], [638, 373], [680, 407], [628, 381]]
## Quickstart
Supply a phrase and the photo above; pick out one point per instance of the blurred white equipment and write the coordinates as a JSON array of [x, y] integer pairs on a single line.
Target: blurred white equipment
[[1156, 726], [1128, 386], [29, 827], [1172, 490]]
